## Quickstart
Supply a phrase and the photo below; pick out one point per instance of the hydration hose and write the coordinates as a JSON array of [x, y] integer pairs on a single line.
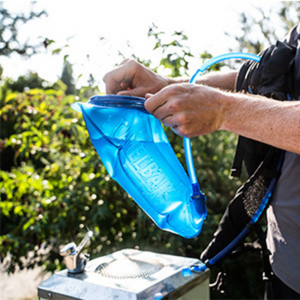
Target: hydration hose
[[192, 174], [186, 141]]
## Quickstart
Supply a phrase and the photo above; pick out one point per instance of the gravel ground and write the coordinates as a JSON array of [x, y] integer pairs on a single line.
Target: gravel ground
[[21, 285]]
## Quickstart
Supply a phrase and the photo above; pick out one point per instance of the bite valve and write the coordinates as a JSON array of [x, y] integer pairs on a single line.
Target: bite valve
[[74, 259], [198, 268]]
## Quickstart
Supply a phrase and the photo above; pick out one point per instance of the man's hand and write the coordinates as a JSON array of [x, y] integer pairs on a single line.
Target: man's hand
[[133, 79], [190, 110]]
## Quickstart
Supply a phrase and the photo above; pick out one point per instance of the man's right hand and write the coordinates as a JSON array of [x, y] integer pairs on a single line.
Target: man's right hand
[[133, 79]]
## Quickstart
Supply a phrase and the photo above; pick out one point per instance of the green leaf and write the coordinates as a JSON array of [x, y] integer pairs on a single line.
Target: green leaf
[[56, 51]]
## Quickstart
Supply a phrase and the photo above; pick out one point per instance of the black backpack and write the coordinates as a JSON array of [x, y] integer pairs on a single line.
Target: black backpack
[[274, 77]]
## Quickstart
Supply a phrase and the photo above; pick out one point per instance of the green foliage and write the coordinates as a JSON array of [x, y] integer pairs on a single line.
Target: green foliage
[[29, 81], [174, 52], [57, 185]]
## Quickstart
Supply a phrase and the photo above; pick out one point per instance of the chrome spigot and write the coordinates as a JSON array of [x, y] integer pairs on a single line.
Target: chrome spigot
[[74, 259]]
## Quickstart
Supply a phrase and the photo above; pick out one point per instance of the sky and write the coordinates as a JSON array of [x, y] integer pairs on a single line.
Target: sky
[[96, 31]]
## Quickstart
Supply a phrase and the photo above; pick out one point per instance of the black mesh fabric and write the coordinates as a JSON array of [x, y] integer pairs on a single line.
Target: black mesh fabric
[[243, 206], [253, 195]]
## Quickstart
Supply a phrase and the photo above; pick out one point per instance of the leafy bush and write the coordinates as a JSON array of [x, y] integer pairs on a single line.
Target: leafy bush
[[57, 185]]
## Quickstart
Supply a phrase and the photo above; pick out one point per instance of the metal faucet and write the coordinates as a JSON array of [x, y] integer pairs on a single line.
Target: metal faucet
[[74, 259]]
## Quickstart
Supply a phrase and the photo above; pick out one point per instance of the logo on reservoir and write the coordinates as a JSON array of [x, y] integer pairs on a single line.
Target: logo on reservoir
[[151, 174]]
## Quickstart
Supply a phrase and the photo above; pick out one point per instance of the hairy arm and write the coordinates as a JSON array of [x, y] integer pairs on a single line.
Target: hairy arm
[[193, 110], [269, 121], [276, 123], [224, 80]]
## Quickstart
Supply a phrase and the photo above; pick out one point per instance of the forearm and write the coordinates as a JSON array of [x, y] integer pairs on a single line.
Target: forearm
[[133, 79], [273, 122], [221, 80]]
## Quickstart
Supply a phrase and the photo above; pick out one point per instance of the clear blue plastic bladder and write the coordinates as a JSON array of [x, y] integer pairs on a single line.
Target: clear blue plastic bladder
[[137, 154]]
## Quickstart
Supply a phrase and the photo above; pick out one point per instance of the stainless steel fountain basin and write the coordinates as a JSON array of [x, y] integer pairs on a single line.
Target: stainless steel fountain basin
[[129, 275]]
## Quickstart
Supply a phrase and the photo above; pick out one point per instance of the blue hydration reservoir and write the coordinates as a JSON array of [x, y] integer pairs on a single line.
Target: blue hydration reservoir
[[136, 153]]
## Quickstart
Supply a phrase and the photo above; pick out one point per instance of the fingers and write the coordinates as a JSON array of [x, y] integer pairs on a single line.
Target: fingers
[[119, 79], [112, 83], [164, 103], [172, 107], [154, 102], [111, 87], [137, 92], [160, 108], [132, 78]]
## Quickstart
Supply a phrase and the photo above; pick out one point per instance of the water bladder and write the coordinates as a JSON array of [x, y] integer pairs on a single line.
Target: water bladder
[[137, 154]]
